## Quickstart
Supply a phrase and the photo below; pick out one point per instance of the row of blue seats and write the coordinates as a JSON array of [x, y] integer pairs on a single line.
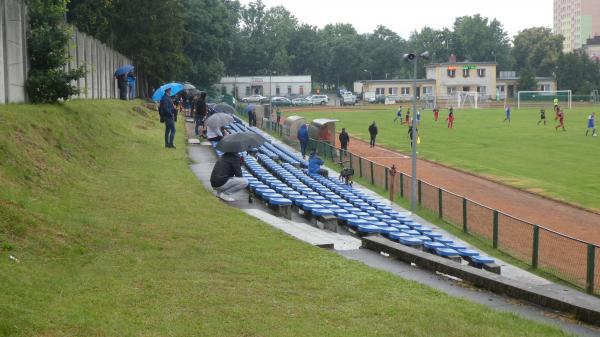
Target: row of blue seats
[[322, 196]]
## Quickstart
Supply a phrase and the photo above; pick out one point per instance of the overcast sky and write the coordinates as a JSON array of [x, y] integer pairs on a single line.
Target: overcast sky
[[404, 16]]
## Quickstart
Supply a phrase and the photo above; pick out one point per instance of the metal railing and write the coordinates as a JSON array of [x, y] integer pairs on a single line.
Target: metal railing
[[570, 259]]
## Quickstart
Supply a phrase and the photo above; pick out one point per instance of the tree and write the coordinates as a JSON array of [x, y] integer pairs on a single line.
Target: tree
[[383, 51], [538, 49], [207, 42], [344, 54], [477, 39], [48, 81], [527, 80], [575, 71]]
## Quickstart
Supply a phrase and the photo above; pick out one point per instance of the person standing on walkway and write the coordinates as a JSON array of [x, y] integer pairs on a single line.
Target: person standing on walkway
[[344, 140], [436, 113], [398, 115], [507, 113], [542, 116], [168, 113], [122, 85], [450, 118], [278, 115], [591, 124], [373, 133], [560, 115], [251, 114], [410, 135], [226, 177], [200, 112], [303, 139], [131, 84]]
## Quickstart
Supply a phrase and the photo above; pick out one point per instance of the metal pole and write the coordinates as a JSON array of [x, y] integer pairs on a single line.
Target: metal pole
[[413, 190]]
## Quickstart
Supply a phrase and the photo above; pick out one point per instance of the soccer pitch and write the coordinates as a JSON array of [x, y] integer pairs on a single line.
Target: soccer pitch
[[563, 165]]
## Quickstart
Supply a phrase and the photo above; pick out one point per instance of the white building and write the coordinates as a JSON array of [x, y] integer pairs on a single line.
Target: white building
[[290, 86]]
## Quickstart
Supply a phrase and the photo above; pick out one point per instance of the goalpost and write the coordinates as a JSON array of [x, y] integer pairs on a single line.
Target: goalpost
[[545, 97], [470, 98]]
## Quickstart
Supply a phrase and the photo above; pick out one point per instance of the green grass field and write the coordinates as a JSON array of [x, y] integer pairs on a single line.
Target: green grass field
[[114, 236], [561, 165]]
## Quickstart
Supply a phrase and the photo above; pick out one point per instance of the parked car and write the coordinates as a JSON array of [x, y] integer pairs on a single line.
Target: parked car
[[281, 101], [255, 99], [380, 99], [301, 101], [319, 99], [348, 99]]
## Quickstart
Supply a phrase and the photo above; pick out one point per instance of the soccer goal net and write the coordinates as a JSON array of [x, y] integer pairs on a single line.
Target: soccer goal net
[[467, 99], [544, 98]]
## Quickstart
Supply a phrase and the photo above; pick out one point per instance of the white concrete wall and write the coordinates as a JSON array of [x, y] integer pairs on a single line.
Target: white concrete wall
[[13, 55], [99, 60]]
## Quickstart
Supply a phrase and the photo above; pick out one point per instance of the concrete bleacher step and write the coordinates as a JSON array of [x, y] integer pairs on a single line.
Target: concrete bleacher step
[[307, 233]]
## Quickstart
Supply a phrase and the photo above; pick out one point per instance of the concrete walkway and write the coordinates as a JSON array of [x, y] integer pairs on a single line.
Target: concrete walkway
[[203, 158]]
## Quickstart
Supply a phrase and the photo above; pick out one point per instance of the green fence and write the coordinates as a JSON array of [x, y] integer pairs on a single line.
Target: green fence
[[570, 259]]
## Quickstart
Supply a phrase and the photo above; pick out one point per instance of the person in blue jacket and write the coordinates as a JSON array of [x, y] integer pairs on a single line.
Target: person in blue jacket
[[314, 164], [303, 139], [167, 112], [131, 84]]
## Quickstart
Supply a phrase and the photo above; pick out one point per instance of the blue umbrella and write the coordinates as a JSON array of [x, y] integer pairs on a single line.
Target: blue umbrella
[[160, 92], [124, 70]]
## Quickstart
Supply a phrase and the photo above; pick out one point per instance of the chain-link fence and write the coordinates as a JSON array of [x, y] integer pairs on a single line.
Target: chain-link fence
[[570, 259]]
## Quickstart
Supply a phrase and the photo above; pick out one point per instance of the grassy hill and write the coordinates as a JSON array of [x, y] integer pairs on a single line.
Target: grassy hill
[[558, 164], [110, 234]]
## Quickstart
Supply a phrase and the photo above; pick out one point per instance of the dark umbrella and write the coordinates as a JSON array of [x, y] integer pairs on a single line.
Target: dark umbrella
[[124, 70], [224, 107], [218, 120], [240, 142]]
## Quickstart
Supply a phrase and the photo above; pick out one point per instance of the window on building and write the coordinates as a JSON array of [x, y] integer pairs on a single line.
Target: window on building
[[247, 91], [301, 90], [545, 87], [451, 72], [466, 72], [451, 90], [223, 90], [289, 90], [481, 90], [393, 91], [427, 91], [405, 91], [277, 91], [379, 91], [481, 72]]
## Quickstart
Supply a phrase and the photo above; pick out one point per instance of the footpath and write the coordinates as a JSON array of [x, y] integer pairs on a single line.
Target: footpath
[[203, 159]]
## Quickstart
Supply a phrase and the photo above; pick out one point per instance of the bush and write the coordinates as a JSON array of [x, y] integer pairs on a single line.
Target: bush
[[47, 38]]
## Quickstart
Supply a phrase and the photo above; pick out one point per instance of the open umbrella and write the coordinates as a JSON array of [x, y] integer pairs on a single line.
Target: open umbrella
[[124, 70], [160, 92], [224, 107], [188, 86], [218, 120], [240, 142]]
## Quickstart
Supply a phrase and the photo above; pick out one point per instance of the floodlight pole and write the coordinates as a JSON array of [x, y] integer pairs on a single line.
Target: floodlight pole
[[413, 189]]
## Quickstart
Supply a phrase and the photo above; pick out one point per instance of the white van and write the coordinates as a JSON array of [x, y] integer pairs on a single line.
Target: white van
[[319, 99]]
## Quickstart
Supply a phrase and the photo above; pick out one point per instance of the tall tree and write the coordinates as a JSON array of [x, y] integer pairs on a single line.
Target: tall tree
[[478, 39], [538, 49], [527, 80], [344, 54], [577, 72], [383, 53], [208, 39]]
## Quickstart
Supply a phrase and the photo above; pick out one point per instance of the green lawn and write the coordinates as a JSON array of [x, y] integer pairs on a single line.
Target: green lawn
[[116, 237], [561, 165]]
